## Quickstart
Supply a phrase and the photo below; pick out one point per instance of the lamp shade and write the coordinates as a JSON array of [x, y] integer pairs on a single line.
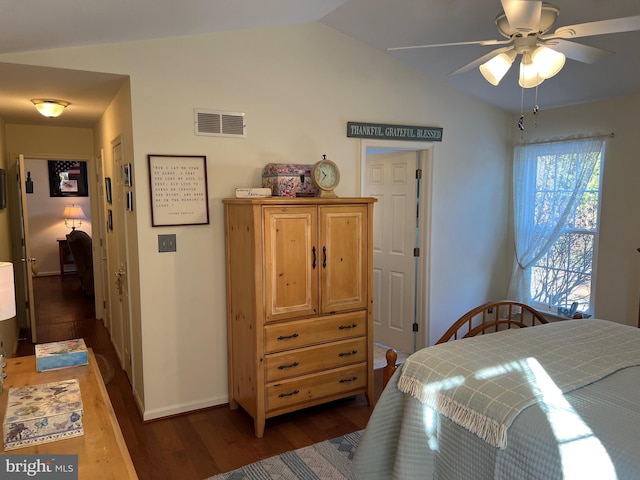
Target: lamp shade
[[548, 62], [496, 68], [73, 212], [50, 108], [7, 292], [529, 76]]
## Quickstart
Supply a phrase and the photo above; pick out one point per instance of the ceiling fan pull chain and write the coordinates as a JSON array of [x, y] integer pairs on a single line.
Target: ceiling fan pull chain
[[521, 120], [536, 108]]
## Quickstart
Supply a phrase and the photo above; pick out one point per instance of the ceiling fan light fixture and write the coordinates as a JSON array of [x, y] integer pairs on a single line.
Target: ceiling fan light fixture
[[50, 108], [496, 68], [529, 76], [548, 62]]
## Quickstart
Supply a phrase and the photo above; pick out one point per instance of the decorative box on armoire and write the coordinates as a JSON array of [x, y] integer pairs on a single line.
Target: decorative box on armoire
[[299, 302]]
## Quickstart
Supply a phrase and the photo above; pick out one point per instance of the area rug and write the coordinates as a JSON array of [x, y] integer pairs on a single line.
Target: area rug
[[105, 367], [331, 459]]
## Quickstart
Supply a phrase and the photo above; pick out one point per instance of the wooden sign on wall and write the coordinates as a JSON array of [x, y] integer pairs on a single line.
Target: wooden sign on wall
[[383, 131]]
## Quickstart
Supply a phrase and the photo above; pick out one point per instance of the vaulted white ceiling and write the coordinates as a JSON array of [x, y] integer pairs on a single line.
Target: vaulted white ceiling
[[377, 23]]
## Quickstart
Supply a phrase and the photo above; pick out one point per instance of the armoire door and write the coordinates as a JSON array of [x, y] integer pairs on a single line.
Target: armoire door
[[343, 258], [291, 262]]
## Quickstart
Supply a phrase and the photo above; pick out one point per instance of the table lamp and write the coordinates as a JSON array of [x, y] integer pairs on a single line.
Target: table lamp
[[71, 214], [7, 305]]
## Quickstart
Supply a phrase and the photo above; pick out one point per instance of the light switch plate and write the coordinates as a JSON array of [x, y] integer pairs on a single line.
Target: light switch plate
[[167, 243]]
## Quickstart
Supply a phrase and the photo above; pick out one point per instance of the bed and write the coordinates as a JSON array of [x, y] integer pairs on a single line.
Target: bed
[[557, 401]]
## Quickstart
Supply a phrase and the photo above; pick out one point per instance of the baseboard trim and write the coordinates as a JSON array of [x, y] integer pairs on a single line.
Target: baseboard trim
[[156, 414]]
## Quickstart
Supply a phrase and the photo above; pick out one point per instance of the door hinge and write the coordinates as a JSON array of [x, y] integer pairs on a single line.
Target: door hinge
[[416, 252], [415, 327], [419, 174]]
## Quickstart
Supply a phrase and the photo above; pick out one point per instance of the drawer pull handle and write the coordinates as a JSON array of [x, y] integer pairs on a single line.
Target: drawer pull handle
[[291, 365], [346, 354], [288, 337], [347, 380], [344, 327], [295, 392], [313, 250], [324, 257]]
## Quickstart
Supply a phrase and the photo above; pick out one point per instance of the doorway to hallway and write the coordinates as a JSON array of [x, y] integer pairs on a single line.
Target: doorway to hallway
[[398, 174]]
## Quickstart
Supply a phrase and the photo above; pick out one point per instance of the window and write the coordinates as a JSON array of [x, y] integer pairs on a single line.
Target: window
[[556, 205]]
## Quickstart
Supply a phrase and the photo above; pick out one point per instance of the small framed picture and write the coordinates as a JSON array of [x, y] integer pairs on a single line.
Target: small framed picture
[[107, 187], [130, 201], [128, 175], [109, 219]]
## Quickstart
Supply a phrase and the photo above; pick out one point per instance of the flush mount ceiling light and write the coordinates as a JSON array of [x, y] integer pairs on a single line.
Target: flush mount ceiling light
[[50, 108]]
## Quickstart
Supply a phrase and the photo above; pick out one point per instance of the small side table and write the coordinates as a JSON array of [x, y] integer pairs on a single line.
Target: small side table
[[66, 258]]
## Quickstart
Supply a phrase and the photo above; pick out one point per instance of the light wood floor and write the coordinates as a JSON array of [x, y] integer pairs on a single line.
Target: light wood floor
[[196, 445]]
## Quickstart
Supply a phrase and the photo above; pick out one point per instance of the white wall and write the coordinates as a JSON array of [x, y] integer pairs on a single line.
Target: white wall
[[46, 224], [298, 87], [618, 263]]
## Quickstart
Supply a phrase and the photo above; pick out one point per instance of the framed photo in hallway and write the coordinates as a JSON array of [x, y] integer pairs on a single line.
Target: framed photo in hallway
[[68, 178], [107, 187]]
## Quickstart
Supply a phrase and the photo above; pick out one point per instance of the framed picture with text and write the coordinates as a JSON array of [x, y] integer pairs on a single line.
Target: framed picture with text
[[178, 186]]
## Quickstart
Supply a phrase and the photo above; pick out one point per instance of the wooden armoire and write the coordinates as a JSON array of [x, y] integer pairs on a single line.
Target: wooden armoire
[[299, 302]]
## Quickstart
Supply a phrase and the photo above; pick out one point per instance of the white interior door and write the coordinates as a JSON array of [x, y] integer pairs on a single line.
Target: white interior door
[[391, 178], [25, 265], [121, 316], [104, 207]]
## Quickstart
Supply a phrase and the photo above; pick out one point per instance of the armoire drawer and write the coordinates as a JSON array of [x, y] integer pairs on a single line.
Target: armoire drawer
[[314, 359], [311, 331], [312, 387]]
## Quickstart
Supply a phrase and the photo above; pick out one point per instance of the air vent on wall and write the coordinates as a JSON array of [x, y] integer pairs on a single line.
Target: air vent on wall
[[215, 123]]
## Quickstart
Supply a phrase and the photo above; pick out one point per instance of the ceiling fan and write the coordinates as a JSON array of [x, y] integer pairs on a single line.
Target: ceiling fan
[[525, 25]]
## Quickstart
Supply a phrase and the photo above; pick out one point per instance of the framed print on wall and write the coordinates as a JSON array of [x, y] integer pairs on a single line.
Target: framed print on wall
[[178, 186], [107, 186], [68, 178], [127, 175]]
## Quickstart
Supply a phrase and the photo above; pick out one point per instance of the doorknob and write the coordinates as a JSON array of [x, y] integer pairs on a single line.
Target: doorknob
[[121, 272]]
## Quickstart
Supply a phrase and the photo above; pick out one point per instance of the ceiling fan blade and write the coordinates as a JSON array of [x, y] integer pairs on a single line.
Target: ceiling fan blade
[[523, 15], [616, 25], [578, 51], [479, 61], [477, 42]]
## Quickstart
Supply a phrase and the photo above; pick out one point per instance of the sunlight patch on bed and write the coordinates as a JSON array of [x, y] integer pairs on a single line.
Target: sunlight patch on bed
[[430, 415], [581, 452]]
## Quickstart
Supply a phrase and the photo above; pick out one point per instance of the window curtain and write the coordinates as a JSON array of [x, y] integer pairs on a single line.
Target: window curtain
[[540, 216]]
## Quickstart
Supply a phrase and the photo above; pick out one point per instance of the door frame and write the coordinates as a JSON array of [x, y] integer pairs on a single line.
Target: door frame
[[93, 199], [426, 152]]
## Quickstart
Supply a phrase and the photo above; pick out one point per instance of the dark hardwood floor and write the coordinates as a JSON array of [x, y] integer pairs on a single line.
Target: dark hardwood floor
[[191, 446]]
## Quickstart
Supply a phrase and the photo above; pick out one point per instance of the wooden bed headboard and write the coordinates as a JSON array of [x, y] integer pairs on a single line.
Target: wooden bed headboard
[[487, 318], [491, 317]]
